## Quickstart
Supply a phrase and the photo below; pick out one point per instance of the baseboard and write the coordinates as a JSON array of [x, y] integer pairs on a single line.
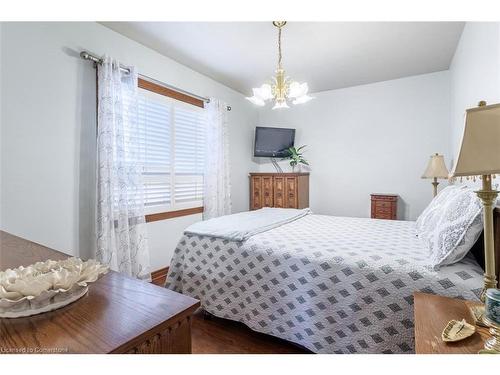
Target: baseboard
[[158, 277]]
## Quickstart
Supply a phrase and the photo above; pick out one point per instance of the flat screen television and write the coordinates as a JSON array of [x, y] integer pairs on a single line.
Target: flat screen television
[[273, 142]]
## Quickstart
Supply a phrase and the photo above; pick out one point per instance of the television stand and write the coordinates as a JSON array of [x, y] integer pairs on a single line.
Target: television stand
[[285, 190]]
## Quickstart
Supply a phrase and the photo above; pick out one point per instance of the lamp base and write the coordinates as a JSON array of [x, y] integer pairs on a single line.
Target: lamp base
[[489, 282], [488, 197], [435, 184], [493, 343]]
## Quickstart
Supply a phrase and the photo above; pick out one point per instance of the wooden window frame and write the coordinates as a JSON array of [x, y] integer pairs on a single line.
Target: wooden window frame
[[165, 91], [171, 214]]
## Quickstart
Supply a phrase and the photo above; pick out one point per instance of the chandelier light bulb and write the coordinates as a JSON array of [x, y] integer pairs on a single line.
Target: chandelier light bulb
[[298, 89], [264, 92]]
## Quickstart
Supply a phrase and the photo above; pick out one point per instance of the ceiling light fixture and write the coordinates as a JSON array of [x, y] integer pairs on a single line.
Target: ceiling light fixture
[[282, 88]]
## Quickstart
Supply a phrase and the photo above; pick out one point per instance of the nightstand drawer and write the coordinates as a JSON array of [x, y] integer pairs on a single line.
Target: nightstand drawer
[[384, 217], [383, 204], [383, 211]]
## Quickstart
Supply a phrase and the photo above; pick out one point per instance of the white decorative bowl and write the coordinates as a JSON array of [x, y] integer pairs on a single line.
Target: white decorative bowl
[[45, 286]]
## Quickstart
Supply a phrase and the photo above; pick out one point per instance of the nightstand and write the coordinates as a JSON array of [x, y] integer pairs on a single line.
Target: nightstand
[[119, 314], [432, 313], [384, 206]]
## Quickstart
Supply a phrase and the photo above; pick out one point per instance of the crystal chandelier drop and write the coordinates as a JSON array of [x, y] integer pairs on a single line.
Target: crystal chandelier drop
[[282, 89]]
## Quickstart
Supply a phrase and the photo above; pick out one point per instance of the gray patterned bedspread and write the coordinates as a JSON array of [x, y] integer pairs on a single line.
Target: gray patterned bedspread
[[330, 284]]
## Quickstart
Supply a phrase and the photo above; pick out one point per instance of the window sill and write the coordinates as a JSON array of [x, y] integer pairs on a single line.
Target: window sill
[[172, 214]]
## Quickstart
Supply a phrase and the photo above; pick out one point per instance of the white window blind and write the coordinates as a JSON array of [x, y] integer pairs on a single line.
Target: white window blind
[[174, 142]]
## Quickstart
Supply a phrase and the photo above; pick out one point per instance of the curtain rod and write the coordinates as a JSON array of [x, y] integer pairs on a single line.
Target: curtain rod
[[97, 60]]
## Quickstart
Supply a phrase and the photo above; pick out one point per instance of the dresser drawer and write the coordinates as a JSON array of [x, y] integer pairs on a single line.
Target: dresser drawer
[[279, 192], [291, 192], [256, 193], [267, 192]]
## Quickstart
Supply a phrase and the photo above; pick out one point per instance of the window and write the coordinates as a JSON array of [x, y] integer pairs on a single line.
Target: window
[[174, 143]]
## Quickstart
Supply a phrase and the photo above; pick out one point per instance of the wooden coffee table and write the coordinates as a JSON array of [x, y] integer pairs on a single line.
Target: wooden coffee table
[[118, 315], [432, 313]]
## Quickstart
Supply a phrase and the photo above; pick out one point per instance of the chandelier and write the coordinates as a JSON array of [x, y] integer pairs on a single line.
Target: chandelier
[[282, 89]]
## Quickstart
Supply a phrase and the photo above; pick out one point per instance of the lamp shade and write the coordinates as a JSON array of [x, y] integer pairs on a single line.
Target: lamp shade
[[480, 148], [436, 168]]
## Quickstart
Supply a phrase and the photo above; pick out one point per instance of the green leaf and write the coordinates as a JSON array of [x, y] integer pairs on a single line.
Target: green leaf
[[295, 156]]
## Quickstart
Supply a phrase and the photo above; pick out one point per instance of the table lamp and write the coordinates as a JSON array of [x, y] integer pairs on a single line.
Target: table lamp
[[479, 155], [436, 169]]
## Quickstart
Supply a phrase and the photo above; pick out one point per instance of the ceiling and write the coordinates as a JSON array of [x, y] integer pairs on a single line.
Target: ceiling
[[327, 55]]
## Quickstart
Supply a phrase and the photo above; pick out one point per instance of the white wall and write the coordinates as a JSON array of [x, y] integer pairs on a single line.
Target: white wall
[[374, 138], [474, 74], [48, 132]]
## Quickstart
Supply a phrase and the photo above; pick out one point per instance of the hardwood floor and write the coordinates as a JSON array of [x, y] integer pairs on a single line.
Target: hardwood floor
[[221, 336]]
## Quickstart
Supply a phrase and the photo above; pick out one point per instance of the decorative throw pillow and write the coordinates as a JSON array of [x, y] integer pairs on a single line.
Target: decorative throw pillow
[[427, 216], [453, 228]]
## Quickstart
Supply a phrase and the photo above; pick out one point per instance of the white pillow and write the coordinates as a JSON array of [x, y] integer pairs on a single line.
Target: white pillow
[[453, 228], [432, 209]]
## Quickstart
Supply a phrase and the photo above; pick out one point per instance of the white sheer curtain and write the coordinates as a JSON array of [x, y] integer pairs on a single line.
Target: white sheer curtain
[[120, 223], [217, 187]]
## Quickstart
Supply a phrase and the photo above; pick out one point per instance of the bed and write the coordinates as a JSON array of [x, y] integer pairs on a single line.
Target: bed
[[329, 284]]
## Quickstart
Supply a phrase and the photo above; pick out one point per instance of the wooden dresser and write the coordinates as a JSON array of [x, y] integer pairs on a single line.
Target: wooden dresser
[[384, 206], [285, 190], [118, 315]]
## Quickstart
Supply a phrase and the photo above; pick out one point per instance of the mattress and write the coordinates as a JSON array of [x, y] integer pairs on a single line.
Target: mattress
[[329, 284]]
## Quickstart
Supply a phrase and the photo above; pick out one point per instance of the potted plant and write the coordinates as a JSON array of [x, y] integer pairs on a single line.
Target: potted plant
[[295, 155]]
